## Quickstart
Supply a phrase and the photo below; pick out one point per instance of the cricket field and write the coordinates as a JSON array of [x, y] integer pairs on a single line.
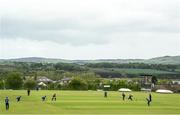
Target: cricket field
[[88, 103]]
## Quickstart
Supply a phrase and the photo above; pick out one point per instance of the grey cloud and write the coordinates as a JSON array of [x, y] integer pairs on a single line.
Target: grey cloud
[[59, 30], [72, 31], [95, 28]]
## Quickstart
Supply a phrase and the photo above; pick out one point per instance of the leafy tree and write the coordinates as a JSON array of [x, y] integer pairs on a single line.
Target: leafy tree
[[54, 86], [58, 86], [154, 80], [78, 84], [14, 81], [164, 82], [1, 85], [122, 84], [30, 84]]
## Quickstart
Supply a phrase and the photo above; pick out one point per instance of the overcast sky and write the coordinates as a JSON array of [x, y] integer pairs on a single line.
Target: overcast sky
[[89, 29]]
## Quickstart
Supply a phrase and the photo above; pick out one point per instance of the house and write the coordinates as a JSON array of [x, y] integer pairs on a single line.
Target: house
[[65, 80], [44, 79], [176, 82]]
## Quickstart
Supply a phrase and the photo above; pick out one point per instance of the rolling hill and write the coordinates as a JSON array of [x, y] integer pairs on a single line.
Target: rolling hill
[[158, 60]]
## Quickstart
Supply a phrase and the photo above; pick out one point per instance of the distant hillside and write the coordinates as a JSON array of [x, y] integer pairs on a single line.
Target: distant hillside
[[158, 60], [36, 60], [164, 60]]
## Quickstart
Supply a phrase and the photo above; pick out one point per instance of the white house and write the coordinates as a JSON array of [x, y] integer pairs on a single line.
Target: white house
[[44, 79]]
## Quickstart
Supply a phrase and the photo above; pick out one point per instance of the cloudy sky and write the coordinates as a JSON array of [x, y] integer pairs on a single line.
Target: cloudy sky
[[89, 29]]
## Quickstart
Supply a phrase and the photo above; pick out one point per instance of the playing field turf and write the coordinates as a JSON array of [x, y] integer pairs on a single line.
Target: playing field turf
[[88, 102]]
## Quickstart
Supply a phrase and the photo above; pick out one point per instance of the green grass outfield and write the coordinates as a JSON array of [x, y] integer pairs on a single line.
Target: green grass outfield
[[89, 103]]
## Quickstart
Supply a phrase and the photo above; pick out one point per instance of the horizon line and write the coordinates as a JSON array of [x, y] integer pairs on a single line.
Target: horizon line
[[86, 59]]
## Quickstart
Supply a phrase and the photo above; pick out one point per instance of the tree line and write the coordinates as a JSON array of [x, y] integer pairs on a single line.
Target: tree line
[[14, 80], [134, 66]]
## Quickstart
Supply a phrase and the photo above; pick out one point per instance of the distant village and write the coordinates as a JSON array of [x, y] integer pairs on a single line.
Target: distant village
[[145, 83]]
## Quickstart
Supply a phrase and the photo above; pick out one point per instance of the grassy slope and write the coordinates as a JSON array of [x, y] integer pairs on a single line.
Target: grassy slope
[[89, 102], [133, 71], [143, 71]]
